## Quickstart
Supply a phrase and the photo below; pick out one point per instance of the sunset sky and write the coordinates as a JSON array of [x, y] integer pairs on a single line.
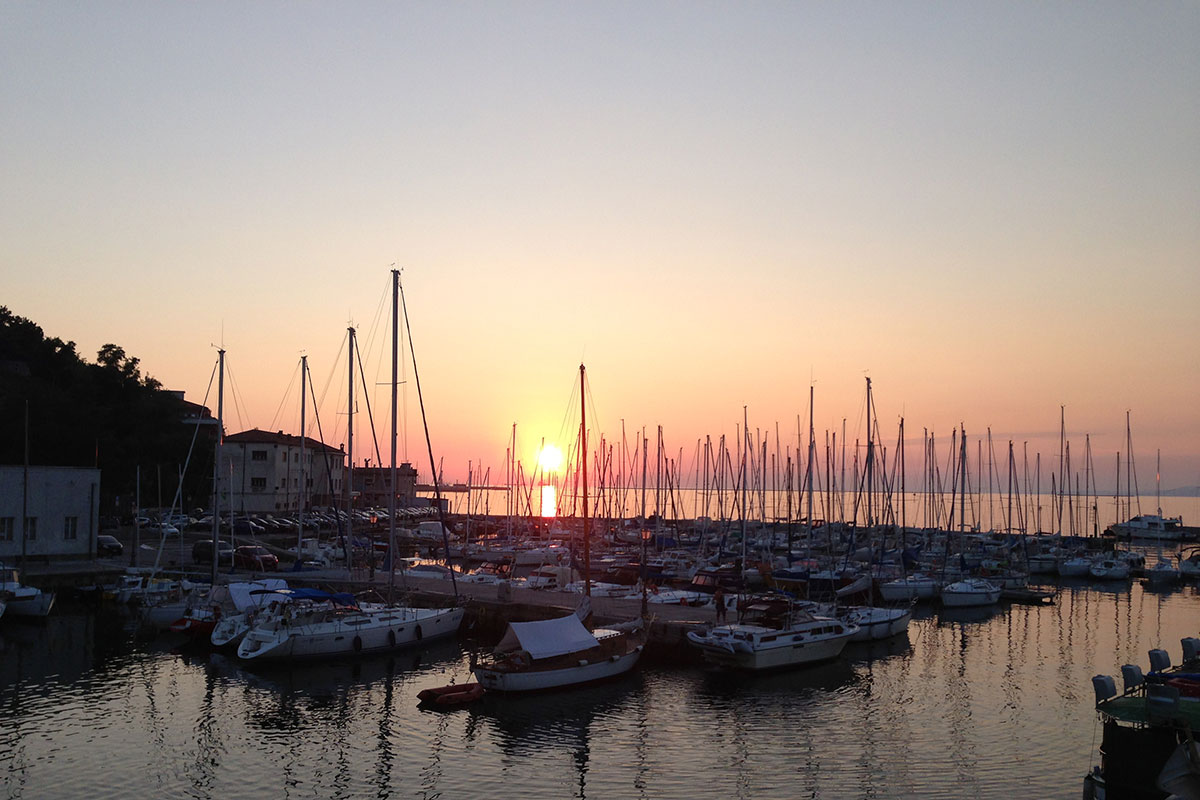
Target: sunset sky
[[991, 209]]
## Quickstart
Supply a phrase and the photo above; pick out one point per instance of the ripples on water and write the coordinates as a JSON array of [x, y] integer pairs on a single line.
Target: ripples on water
[[968, 704]]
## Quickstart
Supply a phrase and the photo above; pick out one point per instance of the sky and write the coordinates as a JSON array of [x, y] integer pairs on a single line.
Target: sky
[[990, 209]]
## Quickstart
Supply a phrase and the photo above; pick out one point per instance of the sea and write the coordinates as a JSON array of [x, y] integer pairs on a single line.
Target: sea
[[968, 704]]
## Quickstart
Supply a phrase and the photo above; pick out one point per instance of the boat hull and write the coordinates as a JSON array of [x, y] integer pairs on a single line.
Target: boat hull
[[360, 633], [30, 605], [535, 680]]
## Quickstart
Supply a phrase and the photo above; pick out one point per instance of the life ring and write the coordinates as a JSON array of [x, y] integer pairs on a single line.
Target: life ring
[[391, 638], [358, 644], [418, 633]]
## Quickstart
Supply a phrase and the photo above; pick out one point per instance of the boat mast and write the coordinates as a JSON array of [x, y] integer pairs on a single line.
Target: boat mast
[[583, 457], [303, 479], [216, 522], [347, 545], [392, 483], [437, 489]]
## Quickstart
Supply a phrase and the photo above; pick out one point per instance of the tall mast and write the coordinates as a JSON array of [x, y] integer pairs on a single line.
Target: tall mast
[[392, 483], [350, 453], [217, 460], [583, 457], [303, 478], [809, 469]]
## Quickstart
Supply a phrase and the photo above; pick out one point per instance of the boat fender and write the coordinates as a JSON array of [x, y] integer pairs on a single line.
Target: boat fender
[[357, 644], [391, 638], [418, 633]]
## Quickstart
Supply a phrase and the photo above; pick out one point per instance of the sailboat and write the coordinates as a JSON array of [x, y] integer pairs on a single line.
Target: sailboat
[[323, 630], [555, 653], [968, 592], [873, 622]]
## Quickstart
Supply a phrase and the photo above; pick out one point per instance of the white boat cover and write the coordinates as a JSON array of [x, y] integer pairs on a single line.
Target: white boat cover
[[547, 638], [244, 601]]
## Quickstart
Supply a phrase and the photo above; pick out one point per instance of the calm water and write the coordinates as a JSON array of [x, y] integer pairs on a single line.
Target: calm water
[[966, 705]]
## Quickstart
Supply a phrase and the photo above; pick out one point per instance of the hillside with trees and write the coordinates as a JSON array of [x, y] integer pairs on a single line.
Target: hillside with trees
[[105, 414]]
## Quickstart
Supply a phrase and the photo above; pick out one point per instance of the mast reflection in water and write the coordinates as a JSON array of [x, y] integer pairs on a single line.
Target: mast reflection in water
[[991, 704]]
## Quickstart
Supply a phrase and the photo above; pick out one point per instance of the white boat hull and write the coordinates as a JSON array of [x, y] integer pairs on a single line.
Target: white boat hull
[[536, 680], [906, 589], [966, 594], [350, 635], [875, 624], [752, 648]]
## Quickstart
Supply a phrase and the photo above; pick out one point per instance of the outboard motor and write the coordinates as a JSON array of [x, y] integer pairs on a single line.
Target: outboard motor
[[1159, 660], [1191, 649], [1104, 686], [1131, 674]]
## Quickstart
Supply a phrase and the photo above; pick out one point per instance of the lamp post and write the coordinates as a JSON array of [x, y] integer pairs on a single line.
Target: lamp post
[[646, 534]]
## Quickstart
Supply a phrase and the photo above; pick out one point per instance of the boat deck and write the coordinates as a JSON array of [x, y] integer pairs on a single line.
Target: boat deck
[[1132, 709]]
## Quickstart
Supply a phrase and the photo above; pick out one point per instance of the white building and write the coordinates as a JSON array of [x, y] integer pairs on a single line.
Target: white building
[[61, 512], [260, 473]]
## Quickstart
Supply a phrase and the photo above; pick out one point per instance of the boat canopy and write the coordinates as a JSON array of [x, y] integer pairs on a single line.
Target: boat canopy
[[547, 638], [248, 595], [340, 598]]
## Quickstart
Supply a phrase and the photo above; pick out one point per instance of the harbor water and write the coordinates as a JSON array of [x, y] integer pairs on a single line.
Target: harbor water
[[970, 703]]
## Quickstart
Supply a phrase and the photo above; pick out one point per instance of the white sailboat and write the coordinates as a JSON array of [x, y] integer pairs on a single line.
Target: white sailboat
[[555, 653], [773, 637], [968, 592], [310, 630]]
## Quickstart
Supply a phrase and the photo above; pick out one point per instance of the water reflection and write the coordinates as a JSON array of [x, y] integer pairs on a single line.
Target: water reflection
[[992, 706]]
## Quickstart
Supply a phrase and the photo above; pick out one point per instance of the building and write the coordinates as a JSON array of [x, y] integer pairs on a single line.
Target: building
[[261, 473], [61, 510], [371, 485]]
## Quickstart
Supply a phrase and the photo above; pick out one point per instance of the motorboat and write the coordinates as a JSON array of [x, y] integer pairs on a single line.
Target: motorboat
[[774, 635], [970, 592], [21, 600], [304, 629], [560, 652], [1153, 526]]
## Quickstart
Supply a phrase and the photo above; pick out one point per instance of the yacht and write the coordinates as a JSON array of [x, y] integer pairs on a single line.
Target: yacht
[[774, 635]]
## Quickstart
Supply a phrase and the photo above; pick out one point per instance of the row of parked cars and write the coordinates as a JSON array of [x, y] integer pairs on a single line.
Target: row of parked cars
[[248, 556]]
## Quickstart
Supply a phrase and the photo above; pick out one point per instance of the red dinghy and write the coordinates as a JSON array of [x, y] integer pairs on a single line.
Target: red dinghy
[[453, 695]]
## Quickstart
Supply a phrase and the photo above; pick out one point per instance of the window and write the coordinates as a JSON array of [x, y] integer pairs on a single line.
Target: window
[[258, 484], [258, 455], [6, 528], [70, 528], [31, 528]]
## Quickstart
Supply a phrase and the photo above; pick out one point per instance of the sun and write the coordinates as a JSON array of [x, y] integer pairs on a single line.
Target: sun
[[550, 459]]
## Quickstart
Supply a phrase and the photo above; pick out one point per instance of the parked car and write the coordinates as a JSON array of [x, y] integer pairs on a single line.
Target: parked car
[[255, 557], [202, 552], [108, 546]]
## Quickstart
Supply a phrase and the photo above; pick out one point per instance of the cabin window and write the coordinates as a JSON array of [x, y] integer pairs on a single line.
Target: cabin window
[[258, 455], [258, 484], [31, 528], [70, 528], [6, 528]]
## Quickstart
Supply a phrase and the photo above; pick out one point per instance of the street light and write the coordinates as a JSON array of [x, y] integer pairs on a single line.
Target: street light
[[646, 534]]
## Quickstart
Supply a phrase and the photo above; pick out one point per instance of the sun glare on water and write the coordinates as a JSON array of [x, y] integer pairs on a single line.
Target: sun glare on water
[[549, 502]]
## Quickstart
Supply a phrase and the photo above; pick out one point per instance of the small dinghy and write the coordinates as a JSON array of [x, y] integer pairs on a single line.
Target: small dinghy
[[456, 694]]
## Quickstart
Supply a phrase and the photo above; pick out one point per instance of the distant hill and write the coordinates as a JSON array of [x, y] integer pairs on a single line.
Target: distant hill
[[1183, 491], [104, 414]]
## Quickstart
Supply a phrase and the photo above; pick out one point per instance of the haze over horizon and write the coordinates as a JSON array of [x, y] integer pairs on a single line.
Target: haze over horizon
[[993, 211]]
